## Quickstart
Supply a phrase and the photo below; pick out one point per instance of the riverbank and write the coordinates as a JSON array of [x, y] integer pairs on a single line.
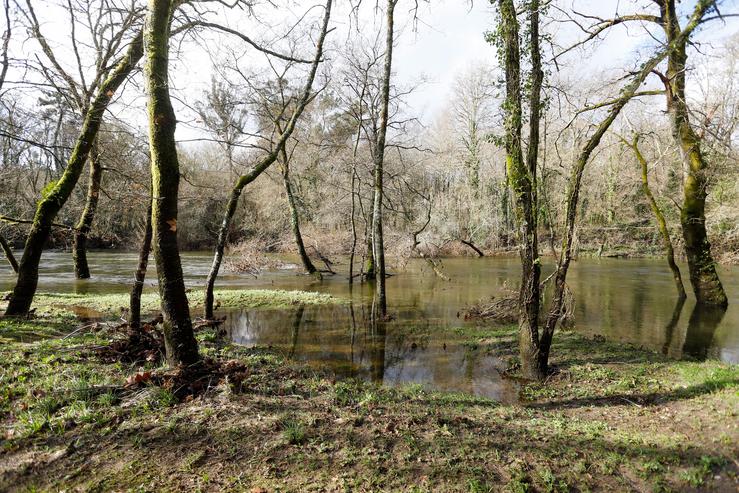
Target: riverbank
[[612, 418]]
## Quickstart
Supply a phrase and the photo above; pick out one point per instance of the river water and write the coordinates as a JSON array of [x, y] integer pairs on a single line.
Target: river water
[[625, 300]]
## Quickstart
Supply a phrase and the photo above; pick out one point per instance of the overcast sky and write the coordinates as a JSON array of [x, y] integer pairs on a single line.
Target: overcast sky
[[447, 38]]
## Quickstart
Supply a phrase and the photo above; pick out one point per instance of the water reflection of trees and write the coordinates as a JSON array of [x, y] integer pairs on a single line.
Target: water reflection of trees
[[702, 326], [699, 334]]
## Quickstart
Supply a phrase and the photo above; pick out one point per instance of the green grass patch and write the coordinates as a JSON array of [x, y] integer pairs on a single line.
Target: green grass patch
[[69, 305]]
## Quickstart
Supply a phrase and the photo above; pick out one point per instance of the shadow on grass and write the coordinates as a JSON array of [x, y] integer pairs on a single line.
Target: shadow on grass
[[641, 399], [476, 446]]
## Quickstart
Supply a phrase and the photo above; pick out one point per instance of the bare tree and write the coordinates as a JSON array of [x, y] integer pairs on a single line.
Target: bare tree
[[378, 243], [262, 165], [658, 215], [703, 276], [50, 204]]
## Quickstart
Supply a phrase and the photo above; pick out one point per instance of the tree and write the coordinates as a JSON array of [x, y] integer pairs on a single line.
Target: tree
[[57, 194], [534, 346], [473, 94], [76, 92], [134, 315], [294, 215], [224, 117], [274, 100], [522, 174], [179, 339], [262, 165], [8, 251], [703, 276], [658, 215], [378, 243]]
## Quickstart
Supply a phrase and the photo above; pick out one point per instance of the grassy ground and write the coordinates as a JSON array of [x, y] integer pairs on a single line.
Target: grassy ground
[[612, 419], [56, 305]]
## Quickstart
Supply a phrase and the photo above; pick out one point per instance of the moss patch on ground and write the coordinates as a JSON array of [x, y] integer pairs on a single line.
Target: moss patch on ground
[[68, 305], [614, 418]]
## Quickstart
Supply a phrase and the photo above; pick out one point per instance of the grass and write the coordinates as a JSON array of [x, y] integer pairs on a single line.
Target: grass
[[67, 306], [614, 418]]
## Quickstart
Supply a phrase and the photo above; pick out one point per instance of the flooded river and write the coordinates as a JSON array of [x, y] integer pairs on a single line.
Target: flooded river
[[622, 300]]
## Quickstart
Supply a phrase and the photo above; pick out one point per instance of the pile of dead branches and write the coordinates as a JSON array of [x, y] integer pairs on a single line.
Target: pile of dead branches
[[505, 309]]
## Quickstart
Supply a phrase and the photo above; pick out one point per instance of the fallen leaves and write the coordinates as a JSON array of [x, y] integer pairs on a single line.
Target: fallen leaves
[[138, 378]]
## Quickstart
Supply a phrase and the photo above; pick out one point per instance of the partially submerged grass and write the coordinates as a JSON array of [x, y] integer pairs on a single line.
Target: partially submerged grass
[[69, 305], [614, 418]]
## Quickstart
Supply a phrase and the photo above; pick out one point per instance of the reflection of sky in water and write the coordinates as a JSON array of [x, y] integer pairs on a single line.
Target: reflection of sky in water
[[409, 351], [624, 300]]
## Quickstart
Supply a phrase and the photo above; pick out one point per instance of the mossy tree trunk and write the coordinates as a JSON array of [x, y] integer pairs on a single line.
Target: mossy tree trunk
[[703, 276], [180, 344], [660, 217], [294, 215], [369, 260], [522, 176], [84, 225], [260, 167], [573, 194], [52, 202], [9, 253], [353, 223], [134, 319], [378, 242]]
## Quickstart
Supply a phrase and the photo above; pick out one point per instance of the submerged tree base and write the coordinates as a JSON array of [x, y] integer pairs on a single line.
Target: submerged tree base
[[613, 418]]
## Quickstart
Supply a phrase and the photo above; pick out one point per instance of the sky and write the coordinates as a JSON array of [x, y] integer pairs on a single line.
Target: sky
[[443, 39]]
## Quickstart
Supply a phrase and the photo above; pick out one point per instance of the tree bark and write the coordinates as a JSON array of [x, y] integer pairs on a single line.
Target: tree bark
[[179, 340], [49, 205], [378, 243], [522, 178], [134, 320], [479, 252], [259, 168], [294, 216], [82, 230], [353, 223], [9, 253], [369, 261], [660, 217], [573, 194], [703, 276]]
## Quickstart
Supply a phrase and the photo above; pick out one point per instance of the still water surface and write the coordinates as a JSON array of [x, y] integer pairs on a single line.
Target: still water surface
[[623, 300]]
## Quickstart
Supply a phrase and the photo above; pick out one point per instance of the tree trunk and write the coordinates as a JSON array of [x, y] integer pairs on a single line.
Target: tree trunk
[[9, 253], [294, 216], [49, 206], [703, 276], [260, 167], [660, 217], [353, 227], [573, 194], [522, 178], [79, 251], [215, 267], [378, 243], [179, 340], [134, 320], [354, 193], [479, 252]]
